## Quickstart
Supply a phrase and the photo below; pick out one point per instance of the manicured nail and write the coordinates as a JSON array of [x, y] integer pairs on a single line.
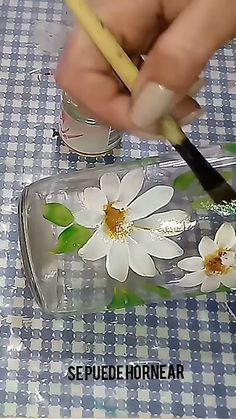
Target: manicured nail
[[196, 87], [189, 119], [152, 102]]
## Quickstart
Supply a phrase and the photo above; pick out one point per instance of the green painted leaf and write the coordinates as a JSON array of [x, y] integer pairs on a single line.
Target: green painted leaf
[[187, 179], [201, 204], [72, 239], [184, 181], [118, 300], [157, 289], [58, 214], [123, 298], [133, 300], [230, 147]]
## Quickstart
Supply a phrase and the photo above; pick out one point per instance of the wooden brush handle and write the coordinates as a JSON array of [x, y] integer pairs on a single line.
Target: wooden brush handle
[[118, 59]]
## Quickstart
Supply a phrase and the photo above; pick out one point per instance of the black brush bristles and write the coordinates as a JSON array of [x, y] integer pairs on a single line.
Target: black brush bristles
[[211, 180]]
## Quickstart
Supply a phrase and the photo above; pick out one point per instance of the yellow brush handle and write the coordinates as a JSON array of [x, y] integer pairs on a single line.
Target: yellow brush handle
[[117, 58], [105, 42]]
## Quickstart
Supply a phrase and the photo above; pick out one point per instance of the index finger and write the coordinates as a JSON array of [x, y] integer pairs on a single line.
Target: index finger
[[84, 74]]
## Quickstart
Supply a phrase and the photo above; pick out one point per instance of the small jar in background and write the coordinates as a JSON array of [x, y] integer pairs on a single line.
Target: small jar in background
[[83, 135]]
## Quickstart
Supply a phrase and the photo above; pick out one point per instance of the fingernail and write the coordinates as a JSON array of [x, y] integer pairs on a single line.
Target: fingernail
[[189, 119], [152, 102], [196, 87]]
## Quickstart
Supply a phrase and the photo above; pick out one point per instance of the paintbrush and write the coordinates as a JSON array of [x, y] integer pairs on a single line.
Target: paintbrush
[[212, 182]]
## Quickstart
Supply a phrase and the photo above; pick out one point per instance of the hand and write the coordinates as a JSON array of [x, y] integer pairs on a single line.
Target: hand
[[177, 37]]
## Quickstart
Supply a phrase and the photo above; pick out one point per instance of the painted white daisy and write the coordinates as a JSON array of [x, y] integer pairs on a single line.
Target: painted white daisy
[[216, 264], [124, 234]]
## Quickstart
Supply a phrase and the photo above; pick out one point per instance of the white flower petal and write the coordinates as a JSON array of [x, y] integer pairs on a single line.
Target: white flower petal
[[117, 262], [94, 199], [229, 279], [233, 247], [130, 186], [170, 223], [110, 185], [193, 279], [228, 258], [207, 247], [89, 218], [150, 201], [211, 283], [225, 236], [97, 246], [157, 246], [191, 264], [139, 261]]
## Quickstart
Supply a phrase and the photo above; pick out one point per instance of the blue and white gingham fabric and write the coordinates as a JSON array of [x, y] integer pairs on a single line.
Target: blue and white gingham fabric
[[36, 350]]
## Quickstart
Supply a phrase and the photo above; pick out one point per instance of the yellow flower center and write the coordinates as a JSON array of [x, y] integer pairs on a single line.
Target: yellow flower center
[[114, 221], [214, 265]]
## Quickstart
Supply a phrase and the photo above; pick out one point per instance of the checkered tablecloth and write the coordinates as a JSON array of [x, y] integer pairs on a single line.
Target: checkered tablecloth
[[36, 350]]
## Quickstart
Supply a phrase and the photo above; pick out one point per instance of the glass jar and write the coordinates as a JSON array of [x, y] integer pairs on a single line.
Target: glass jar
[[231, 305], [58, 218], [83, 135]]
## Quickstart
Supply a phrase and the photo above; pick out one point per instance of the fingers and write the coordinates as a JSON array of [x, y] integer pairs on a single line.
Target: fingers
[[84, 74], [178, 57], [170, 69], [91, 84], [87, 79]]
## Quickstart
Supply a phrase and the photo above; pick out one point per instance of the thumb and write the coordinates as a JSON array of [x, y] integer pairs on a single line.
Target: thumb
[[178, 57]]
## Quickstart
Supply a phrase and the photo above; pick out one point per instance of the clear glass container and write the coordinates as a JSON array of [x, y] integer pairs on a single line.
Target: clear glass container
[[231, 305], [84, 135], [81, 134], [65, 279]]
